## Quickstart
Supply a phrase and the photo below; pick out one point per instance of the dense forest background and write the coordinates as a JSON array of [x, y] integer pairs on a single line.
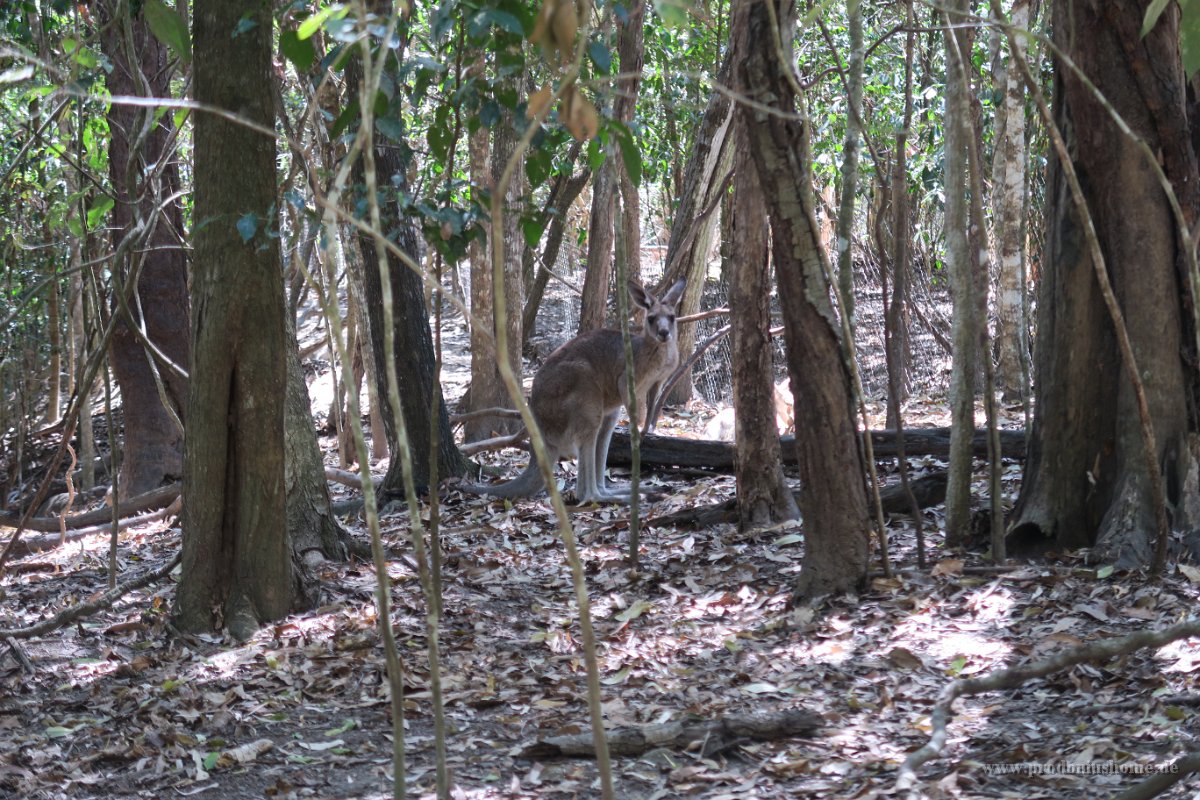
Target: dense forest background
[[919, 508]]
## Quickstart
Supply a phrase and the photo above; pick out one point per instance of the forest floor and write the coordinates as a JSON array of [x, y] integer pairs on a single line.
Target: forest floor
[[119, 706]]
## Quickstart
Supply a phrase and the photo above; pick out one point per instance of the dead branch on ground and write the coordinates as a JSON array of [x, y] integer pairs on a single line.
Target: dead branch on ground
[[1014, 677], [711, 735], [72, 613]]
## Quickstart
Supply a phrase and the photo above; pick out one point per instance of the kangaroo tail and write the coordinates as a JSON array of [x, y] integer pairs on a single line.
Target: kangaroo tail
[[527, 484]]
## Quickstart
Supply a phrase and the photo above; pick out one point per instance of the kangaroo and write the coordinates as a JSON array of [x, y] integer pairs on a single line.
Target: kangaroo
[[579, 391]]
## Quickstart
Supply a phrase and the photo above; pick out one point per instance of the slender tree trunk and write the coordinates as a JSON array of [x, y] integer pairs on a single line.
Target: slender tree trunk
[[1008, 183], [54, 385], [593, 312], [566, 188], [691, 238], [833, 501], [845, 221], [487, 389], [413, 338], [237, 571], [762, 494], [960, 264], [631, 51], [143, 177]]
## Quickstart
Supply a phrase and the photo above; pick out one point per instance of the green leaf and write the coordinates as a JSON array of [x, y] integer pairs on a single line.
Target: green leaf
[[673, 12], [501, 19], [314, 23], [630, 154], [296, 50], [348, 724], [538, 164], [532, 230], [1189, 34], [440, 134], [169, 28], [595, 154], [390, 127], [210, 761], [102, 206], [1153, 12], [58, 732], [86, 59], [348, 115], [180, 116], [247, 226], [600, 57]]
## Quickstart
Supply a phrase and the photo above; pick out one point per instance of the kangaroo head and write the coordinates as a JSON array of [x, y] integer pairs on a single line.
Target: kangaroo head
[[660, 312]]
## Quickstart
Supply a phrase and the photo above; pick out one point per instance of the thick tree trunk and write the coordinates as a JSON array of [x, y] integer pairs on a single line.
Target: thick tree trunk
[[834, 502], [237, 569], [142, 180], [691, 238], [1086, 481], [762, 495]]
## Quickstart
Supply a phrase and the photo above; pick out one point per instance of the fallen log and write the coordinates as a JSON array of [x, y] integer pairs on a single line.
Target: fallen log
[[713, 735], [671, 451], [38, 544], [155, 498], [929, 490]]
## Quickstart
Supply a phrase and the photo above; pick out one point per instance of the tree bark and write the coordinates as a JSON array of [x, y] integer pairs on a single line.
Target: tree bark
[[237, 571], [834, 502], [631, 52], [413, 338], [850, 148], [1087, 481], [487, 389], [687, 250], [312, 528], [762, 495], [593, 312], [143, 171], [960, 265], [1008, 182], [566, 188]]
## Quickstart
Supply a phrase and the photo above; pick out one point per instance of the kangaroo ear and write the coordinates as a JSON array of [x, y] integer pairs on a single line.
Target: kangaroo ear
[[639, 295], [671, 298]]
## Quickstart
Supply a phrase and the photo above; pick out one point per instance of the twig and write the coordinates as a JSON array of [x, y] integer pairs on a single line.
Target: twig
[[495, 443], [495, 411], [20, 655], [72, 613]]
